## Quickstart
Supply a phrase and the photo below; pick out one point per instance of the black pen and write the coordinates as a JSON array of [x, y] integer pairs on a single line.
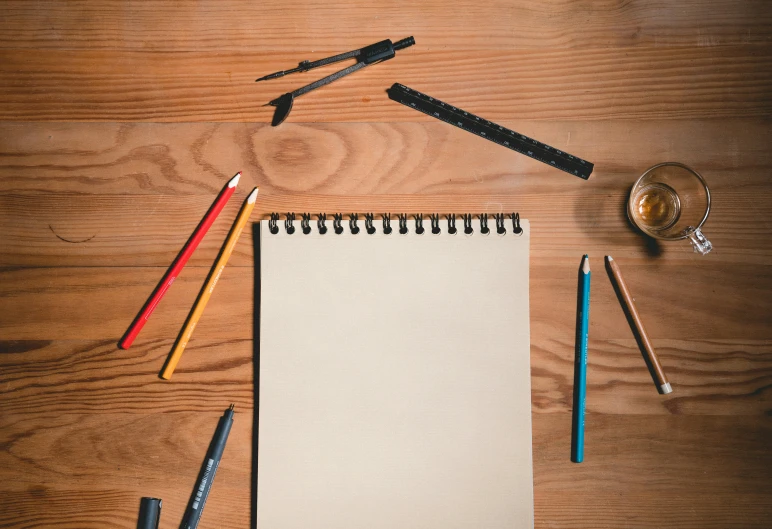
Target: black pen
[[149, 513], [208, 470]]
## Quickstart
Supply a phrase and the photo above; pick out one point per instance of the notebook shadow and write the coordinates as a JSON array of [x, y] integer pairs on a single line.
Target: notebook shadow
[[255, 372], [633, 328]]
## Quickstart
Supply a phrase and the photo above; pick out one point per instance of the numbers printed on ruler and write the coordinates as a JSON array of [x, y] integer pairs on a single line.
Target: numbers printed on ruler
[[202, 486], [490, 131]]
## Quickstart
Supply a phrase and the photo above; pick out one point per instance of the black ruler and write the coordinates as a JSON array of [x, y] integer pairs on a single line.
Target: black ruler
[[490, 131]]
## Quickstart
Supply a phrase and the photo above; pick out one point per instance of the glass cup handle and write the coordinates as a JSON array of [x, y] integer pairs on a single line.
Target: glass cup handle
[[701, 245]]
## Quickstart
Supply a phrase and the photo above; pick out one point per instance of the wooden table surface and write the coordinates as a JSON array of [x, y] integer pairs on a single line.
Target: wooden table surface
[[120, 122]]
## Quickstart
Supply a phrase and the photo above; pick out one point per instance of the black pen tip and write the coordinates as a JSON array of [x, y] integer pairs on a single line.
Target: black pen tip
[[231, 407]]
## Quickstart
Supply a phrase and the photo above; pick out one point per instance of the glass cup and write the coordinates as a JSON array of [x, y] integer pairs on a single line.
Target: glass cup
[[669, 202]]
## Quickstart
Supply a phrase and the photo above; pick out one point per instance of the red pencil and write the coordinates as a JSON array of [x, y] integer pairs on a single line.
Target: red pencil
[[179, 263]]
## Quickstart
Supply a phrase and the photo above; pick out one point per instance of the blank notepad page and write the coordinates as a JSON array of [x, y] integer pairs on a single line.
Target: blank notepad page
[[394, 381]]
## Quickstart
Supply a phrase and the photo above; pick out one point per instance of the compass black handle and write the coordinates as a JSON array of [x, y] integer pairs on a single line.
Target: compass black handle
[[404, 43], [383, 50]]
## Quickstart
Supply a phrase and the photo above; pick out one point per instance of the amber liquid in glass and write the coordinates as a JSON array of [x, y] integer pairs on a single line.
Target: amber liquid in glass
[[656, 206]]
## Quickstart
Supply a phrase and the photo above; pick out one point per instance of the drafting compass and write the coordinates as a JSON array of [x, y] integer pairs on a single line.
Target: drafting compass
[[374, 53]]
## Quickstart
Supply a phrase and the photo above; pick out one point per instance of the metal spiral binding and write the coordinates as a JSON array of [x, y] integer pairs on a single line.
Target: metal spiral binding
[[402, 223], [435, 219], [288, 220], [468, 229], [387, 223], [500, 228], [369, 228], [272, 227], [305, 223], [484, 224], [419, 224], [451, 224], [337, 220], [320, 223], [516, 229]]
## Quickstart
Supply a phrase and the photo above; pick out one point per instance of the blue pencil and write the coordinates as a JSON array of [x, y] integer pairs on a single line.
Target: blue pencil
[[580, 368]]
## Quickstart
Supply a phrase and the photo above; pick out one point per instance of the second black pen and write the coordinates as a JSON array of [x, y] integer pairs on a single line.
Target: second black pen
[[208, 471]]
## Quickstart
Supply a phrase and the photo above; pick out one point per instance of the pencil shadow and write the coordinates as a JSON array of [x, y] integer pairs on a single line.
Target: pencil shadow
[[633, 328], [575, 416], [255, 372], [174, 261]]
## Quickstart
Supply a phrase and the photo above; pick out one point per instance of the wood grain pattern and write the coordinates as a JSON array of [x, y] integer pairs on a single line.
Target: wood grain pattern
[[724, 450], [130, 194], [365, 159], [716, 377], [339, 26], [65, 508], [67, 230], [100, 302], [565, 84], [120, 122]]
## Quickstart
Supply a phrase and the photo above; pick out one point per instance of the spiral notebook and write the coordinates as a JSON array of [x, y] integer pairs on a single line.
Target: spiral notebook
[[394, 373]]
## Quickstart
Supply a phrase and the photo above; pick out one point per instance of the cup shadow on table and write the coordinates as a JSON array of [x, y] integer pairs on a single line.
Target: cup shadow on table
[[652, 245], [255, 372], [587, 219]]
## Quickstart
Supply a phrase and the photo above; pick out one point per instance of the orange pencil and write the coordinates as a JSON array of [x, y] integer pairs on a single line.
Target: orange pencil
[[208, 288], [664, 385]]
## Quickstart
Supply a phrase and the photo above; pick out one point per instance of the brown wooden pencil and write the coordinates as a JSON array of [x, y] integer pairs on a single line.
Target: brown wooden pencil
[[664, 385]]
